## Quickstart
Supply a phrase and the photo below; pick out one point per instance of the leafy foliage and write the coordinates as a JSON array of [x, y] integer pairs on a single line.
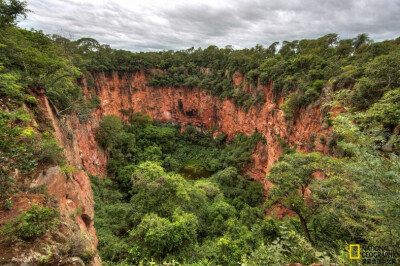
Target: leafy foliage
[[359, 194], [110, 126], [291, 177], [10, 10], [386, 111], [33, 223], [151, 213], [22, 148], [302, 67]]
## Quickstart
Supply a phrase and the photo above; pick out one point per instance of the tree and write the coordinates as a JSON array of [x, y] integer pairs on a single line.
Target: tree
[[343, 206], [32, 223], [88, 44], [381, 74], [110, 126], [360, 41], [271, 50], [10, 10], [157, 237], [331, 39], [377, 174], [344, 48], [148, 170], [291, 177], [288, 48], [386, 110]]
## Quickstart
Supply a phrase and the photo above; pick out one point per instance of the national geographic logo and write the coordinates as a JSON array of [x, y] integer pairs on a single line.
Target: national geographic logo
[[354, 251], [374, 255]]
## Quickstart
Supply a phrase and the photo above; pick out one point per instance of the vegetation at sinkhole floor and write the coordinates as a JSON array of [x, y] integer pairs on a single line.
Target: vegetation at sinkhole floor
[[147, 211]]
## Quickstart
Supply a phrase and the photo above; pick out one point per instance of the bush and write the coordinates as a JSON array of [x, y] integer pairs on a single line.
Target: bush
[[318, 85], [156, 236], [290, 106], [309, 97], [110, 126], [80, 246], [33, 223], [8, 204], [6, 182], [386, 110], [49, 151]]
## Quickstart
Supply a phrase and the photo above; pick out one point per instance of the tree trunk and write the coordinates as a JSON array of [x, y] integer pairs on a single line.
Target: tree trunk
[[305, 228]]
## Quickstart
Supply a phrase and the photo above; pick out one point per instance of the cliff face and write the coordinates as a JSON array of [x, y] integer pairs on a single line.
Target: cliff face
[[67, 188], [72, 190], [193, 106]]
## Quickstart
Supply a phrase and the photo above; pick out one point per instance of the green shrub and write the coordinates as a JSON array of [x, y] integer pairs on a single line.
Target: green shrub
[[156, 236], [318, 85], [309, 97], [322, 140], [87, 255], [94, 101], [191, 130], [290, 106], [8, 204], [33, 223], [110, 126], [6, 182], [80, 246], [48, 151], [386, 110], [46, 258]]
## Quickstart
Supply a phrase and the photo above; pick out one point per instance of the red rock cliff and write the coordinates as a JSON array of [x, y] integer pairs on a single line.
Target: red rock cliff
[[72, 191], [67, 188]]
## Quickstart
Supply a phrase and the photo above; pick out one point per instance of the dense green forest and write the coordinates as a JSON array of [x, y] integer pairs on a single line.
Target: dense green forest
[[179, 197], [162, 203]]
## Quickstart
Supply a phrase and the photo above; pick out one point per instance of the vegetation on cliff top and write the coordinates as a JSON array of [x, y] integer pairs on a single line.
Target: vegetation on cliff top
[[300, 69]]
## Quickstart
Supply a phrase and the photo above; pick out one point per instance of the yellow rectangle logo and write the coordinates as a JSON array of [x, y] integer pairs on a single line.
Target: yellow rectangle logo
[[354, 251]]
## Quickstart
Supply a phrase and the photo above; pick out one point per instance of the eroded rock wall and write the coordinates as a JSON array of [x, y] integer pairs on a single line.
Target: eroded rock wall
[[71, 188]]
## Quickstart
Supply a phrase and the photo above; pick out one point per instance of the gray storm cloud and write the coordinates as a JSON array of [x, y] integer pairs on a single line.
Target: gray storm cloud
[[164, 25]]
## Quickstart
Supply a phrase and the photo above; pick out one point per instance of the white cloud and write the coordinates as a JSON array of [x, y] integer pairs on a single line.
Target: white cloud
[[160, 24]]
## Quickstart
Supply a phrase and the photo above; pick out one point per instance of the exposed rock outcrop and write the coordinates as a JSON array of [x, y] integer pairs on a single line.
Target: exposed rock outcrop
[[67, 189]]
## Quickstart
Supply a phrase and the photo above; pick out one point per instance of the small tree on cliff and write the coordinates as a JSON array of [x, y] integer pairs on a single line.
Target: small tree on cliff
[[290, 178], [110, 127]]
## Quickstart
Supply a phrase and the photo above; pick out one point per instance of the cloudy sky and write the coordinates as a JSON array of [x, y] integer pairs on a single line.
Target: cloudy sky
[[167, 24]]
